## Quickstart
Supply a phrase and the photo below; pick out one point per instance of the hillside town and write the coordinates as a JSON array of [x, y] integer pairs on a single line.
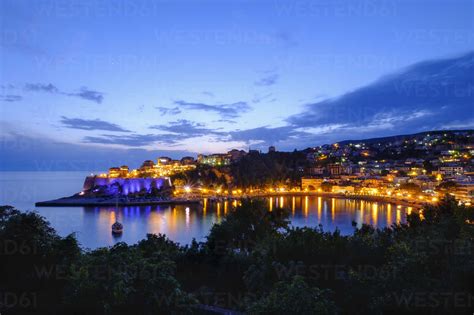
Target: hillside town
[[420, 167]]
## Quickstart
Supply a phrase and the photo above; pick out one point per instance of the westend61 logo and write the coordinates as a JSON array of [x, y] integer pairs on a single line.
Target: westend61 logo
[[336, 8], [97, 8], [23, 300], [338, 272], [426, 299], [96, 272], [14, 247]]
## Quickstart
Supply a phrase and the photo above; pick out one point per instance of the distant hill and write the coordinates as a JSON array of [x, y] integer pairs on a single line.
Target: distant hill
[[403, 137]]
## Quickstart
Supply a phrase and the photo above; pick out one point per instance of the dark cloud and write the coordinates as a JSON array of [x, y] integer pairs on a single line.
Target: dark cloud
[[84, 92], [173, 134], [136, 140], [187, 128], [89, 95], [169, 111], [425, 96], [91, 124], [40, 87], [7, 86], [10, 98], [226, 111], [228, 121], [266, 135], [177, 131], [268, 80]]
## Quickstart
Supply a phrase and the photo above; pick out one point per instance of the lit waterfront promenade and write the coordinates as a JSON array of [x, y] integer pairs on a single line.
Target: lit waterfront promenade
[[412, 202], [187, 198]]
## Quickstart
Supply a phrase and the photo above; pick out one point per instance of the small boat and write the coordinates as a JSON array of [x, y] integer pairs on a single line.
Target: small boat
[[117, 228]]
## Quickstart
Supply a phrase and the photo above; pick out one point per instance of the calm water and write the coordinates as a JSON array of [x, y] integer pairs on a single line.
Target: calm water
[[179, 223]]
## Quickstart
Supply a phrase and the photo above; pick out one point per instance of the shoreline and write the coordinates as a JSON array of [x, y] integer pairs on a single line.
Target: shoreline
[[402, 202], [93, 202], [74, 201]]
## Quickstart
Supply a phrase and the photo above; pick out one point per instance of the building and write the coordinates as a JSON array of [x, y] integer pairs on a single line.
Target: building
[[425, 182], [215, 159], [400, 180], [271, 149], [163, 160], [174, 166], [187, 160], [451, 170], [124, 171], [316, 170], [148, 164], [347, 169], [465, 192], [335, 169], [147, 168], [373, 182], [342, 189], [114, 172], [109, 186], [236, 155], [164, 167], [311, 183]]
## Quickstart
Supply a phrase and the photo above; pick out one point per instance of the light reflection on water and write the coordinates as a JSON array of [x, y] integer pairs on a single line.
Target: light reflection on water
[[182, 223], [93, 224]]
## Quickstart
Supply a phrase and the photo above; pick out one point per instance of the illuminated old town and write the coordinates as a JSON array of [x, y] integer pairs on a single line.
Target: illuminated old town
[[411, 170]]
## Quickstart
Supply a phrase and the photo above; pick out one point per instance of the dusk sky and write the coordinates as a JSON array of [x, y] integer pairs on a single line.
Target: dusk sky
[[181, 77]]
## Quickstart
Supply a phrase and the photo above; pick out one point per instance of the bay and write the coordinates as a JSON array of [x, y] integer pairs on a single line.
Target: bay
[[180, 223]]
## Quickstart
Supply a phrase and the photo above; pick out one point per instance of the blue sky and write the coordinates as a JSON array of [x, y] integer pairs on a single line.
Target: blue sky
[[208, 76]]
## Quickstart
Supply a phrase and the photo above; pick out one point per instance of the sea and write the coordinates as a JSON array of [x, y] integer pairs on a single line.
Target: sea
[[181, 223]]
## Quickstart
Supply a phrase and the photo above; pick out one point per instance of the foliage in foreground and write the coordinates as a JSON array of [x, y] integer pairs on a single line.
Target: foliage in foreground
[[294, 297], [252, 261]]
